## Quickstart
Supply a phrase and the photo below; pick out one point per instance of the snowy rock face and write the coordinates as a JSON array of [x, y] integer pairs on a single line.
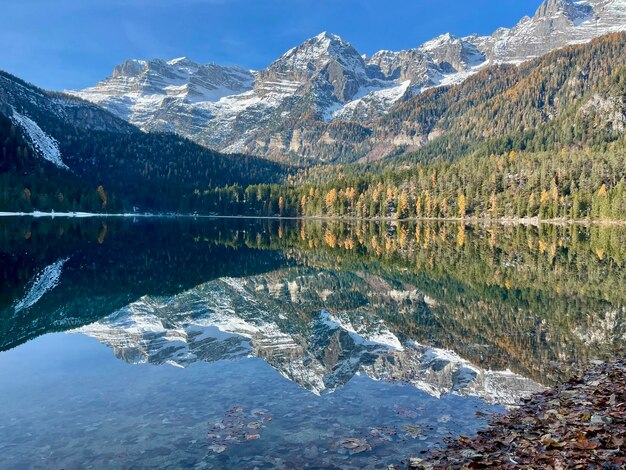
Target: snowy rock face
[[325, 61], [324, 80], [231, 319], [146, 93], [557, 23], [429, 64], [180, 78], [47, 146]]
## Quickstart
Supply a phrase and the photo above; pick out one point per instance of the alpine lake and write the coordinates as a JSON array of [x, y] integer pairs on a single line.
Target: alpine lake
[[131, 343]]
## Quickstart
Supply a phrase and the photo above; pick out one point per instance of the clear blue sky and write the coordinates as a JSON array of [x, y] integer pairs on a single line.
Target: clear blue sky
[[60, 44]]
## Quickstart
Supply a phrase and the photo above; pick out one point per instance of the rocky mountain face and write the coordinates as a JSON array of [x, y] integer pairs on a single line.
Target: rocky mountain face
[[278, 319], [149, 93], [556, 23], [323, 92]]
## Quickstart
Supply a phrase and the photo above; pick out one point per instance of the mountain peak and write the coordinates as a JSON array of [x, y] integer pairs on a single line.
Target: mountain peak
[[330, 36], [314, 53], [552, 7], [572, 9], [439, 41], [179, 60], [130, 68], [323, 40]]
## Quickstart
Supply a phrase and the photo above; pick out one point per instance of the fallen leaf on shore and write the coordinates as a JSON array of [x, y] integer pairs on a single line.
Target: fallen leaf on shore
[[578, 424], [586, 444]]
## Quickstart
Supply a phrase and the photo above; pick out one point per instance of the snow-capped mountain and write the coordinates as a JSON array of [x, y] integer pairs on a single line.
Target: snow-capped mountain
[[231, 319], [556, 23], [325, 82], [323, 60], [430, 64]]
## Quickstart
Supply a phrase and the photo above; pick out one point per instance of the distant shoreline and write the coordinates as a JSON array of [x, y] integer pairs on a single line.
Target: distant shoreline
[[534, 221], [72, 215]]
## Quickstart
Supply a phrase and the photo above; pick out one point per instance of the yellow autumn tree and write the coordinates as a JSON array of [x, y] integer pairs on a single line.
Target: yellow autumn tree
[[102, 195], [303, 204], [462, 206], [428, 208], [444, 207], [331, 199], [418, 206], [493, 203], [403, 205]]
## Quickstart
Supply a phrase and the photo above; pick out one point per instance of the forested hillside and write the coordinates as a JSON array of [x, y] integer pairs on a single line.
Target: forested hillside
[[545, 139], [570, 185], [28, 182], [98, 162], [573, 97]]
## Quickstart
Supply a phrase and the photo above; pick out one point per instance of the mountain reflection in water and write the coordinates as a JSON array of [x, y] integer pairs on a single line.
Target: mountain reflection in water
[[493, 313]]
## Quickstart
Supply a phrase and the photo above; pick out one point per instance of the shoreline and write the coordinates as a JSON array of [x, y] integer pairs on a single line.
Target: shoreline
[[580, 423], [504, 221], [69, 215]]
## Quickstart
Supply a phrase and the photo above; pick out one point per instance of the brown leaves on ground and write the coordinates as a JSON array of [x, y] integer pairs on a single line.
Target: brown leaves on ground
[[580, 424]]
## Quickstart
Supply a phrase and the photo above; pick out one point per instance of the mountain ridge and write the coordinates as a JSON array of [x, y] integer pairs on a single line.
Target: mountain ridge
[[326, 80]]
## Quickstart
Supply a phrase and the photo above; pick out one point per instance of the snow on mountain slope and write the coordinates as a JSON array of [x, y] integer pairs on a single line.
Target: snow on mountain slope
[[378, 335], [325, 79], [47, 146], [369, 103], [138, 89], [17, 96], [557, 23]]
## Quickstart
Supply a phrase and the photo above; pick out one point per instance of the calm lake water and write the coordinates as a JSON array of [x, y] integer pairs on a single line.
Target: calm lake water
[[169, 343]]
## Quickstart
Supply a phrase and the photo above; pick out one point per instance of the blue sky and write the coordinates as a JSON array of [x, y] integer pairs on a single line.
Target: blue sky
[[60, 44]]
